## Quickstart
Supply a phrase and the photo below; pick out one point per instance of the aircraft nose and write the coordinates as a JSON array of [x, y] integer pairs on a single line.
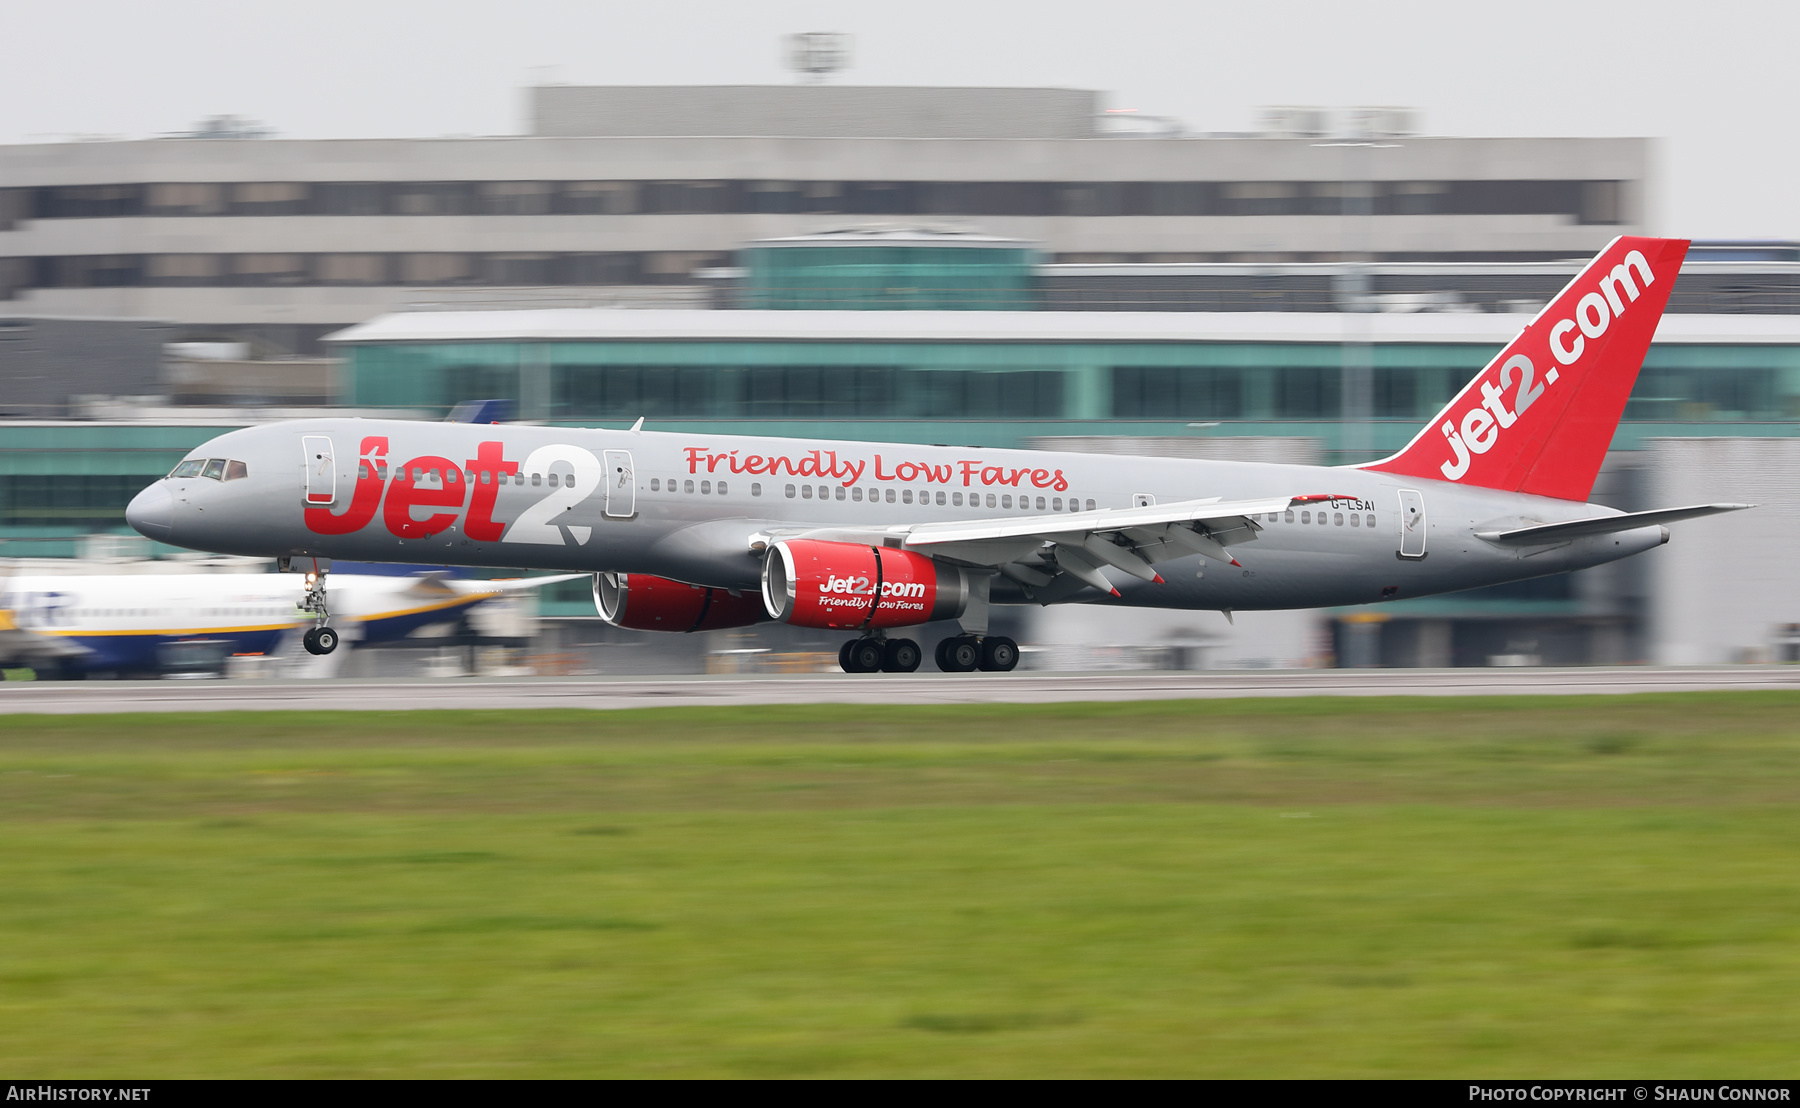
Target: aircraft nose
[[151, 513]]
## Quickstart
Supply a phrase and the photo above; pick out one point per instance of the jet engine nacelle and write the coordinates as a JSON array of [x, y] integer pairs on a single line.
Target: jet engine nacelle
[[850, 586], [646, 603]]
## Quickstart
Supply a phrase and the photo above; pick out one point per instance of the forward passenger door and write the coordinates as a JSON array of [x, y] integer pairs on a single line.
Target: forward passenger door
[[321, 469]]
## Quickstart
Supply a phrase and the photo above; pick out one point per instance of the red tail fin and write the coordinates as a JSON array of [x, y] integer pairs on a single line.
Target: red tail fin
[[1539, 418]]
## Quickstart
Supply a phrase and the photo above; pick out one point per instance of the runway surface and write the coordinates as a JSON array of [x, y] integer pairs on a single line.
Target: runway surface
[[1017, 688]]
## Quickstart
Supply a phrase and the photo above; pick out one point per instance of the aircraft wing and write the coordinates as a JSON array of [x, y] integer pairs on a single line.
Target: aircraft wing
[[1542, 533], [1035, 550]]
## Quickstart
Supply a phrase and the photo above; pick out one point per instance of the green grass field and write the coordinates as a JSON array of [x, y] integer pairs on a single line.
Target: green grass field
[[1497, 887]]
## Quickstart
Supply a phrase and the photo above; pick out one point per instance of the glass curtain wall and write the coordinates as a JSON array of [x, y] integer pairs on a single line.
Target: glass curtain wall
[[893, 278], [910, 381]]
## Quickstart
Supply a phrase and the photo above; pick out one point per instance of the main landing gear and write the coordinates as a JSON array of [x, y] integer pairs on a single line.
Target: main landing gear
[[885, 655], [960, 654], [318, 639]]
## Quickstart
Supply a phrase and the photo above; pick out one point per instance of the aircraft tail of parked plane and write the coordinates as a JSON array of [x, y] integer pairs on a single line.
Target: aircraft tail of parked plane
[[1539, 418]]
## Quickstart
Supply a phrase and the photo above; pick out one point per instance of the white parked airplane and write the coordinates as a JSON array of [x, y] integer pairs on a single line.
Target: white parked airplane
[[129, 623]]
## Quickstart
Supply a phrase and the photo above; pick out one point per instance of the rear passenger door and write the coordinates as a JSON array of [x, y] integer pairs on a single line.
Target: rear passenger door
[[1412, 523]]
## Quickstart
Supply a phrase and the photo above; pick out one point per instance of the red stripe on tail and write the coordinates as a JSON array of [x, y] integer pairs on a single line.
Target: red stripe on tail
[[1540, 417]]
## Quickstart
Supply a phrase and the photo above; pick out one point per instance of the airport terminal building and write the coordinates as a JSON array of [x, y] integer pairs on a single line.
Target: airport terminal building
[[632, 194]]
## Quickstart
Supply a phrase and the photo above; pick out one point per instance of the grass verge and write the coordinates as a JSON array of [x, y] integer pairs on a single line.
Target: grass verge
[[1311, 887]]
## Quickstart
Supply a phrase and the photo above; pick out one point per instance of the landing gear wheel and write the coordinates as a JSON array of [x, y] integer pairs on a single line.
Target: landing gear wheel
[[960, 654], [863, 656], [901, 656], [320, 640], [844, 655], [999, 654]]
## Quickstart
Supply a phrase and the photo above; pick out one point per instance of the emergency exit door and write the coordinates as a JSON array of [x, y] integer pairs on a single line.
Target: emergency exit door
[[621, 485], [321, 469], [1412, 523]]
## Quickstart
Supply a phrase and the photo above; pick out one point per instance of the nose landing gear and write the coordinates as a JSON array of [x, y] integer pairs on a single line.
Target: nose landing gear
[[318, 639]]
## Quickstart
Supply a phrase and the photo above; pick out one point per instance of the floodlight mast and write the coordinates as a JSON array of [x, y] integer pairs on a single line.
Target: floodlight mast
[[816, 55]]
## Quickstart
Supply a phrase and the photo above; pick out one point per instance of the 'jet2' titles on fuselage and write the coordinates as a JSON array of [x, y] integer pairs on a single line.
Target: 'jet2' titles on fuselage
[[433, 482]]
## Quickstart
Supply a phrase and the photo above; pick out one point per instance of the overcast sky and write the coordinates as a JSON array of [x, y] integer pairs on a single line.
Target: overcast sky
[[1713, 81]]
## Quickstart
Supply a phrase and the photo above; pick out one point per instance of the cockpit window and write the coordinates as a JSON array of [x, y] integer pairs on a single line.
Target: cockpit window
[[219, 469]]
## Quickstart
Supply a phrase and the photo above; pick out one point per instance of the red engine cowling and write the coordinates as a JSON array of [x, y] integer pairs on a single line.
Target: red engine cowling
[[646, 603], [852, 587]]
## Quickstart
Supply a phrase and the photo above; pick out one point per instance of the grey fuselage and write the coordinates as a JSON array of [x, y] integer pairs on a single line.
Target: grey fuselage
[[687, 506]]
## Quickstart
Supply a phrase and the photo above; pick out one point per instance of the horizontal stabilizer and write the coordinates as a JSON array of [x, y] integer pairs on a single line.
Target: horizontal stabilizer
[[1542, 533]]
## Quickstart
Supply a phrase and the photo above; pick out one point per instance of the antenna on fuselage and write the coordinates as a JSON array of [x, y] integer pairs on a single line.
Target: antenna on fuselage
[[638, 426]]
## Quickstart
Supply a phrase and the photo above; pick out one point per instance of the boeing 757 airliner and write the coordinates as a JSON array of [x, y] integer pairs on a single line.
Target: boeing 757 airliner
[[687, 532]]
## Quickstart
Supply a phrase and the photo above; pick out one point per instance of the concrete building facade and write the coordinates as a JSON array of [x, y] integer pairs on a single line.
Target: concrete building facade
[[280, 241]]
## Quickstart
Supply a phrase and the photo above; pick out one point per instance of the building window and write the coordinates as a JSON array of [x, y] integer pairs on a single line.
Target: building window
[[188, 198], [269, 198], [436, 269], [350, 269]]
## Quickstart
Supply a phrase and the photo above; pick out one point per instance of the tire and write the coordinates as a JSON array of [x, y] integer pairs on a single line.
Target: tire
[[937, 655], [959, 655], [865, 656], [844, 655], [901, 656], [325, 639], [310, 640], [999, 654]]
